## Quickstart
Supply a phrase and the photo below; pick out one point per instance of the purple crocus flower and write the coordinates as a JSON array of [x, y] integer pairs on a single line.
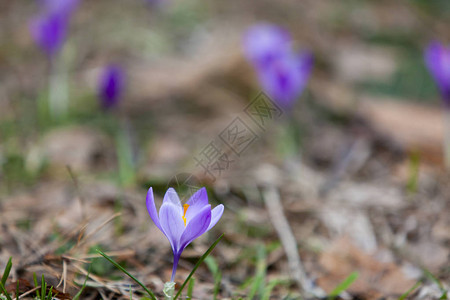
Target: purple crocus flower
[[285, 79], [437, 59], [282, 73], [49, 32], [111, 85], [182, 224], [264, 43], [49, 28]]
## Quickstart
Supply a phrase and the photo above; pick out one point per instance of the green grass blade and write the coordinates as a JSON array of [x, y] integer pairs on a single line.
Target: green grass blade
[[83, 286], [214, 269], [433, 278], [7, 271], [43, 287], [126, 272], [50, 294], [438, 283], [212, 265], [406, 294], [17, 289], [190, 288], [246, 283], [38, 294], [414, 165], [127, 174], [258, 279], [217, 283], [344, 284], [270, 286], [198, 265], [4, 292]]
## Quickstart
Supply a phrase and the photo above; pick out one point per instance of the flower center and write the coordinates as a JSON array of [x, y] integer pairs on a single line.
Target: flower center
[[185, 208]]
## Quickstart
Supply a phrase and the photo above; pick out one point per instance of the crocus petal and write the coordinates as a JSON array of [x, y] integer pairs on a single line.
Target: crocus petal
[[264, 43], [49, 28], [151, 207], [305, 61], [196, 227], [172, 224], [433, 55], [171, 196], [197, 201], [176, 258], [216, 214], [66, 7], [49, 32], [437, 59], [285, 79], [279, 81], [304, 64]]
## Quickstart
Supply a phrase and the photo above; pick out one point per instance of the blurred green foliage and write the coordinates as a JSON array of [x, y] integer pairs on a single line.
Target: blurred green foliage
[[411, 81], [436, 8]]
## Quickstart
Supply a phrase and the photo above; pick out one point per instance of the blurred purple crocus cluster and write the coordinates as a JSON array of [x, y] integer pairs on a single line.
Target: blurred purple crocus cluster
[[437, 59], [282, 72], [49, 28]]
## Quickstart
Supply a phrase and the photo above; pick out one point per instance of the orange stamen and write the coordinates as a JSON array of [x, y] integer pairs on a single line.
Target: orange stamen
[[185, 208]]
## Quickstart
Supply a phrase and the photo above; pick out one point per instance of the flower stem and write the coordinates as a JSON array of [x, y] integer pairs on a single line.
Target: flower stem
[[176, 258], [446, 144], [58, 90], [125, 155]]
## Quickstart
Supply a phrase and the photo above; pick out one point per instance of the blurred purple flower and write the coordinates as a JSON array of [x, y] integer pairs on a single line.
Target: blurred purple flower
[[437, 59], [111, 86], [285, 79], [66, 7], [282, 73], [264, 43], [182, 224], [49, 28], [49, 32]]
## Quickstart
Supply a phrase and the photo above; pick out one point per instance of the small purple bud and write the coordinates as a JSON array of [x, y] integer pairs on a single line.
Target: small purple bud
[[437, 59], [111, 86]]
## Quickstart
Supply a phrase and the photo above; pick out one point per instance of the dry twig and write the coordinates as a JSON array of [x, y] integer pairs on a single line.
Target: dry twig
[[28, 292], [279, 221]]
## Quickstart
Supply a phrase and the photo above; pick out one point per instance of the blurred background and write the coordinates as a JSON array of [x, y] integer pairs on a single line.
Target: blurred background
[[356, 164]]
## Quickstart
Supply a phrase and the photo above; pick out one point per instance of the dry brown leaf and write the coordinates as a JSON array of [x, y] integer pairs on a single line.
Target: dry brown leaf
[[375, 279], [416, 127]]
